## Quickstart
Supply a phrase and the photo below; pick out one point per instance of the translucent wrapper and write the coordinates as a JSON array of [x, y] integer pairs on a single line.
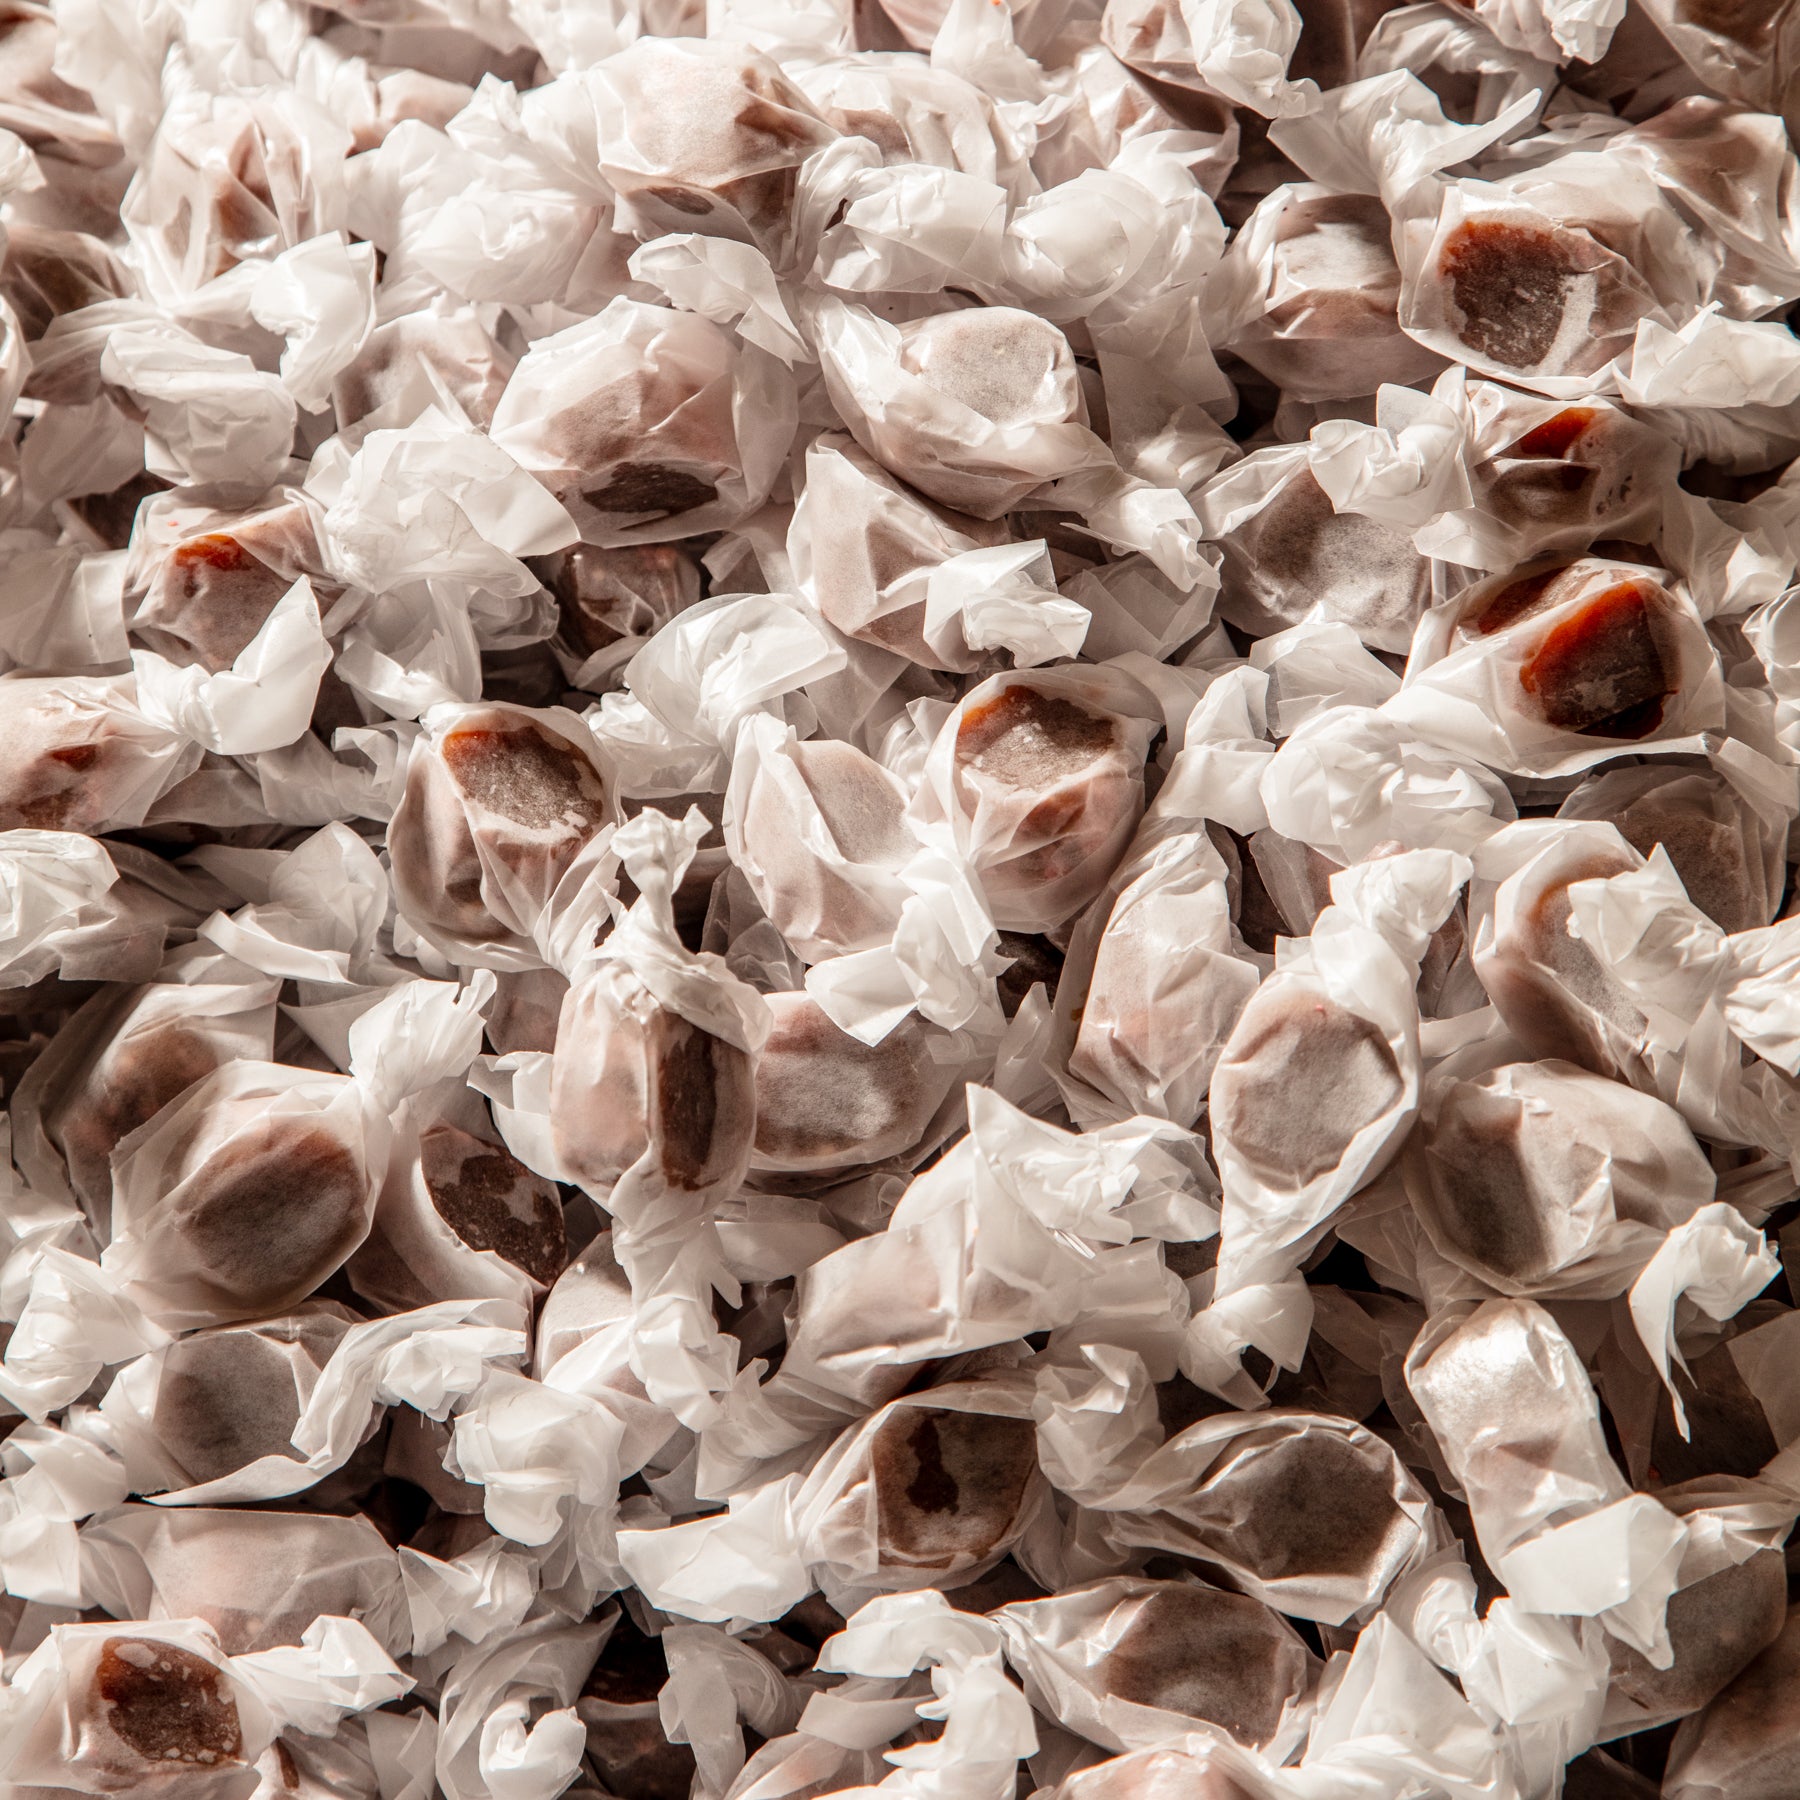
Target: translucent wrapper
[[930, 1491], [85, 756], [1040, 780], [692, 132], [1314, 1516], [1541, 278], [648, 424], [819, 831], [499, 803], [1540, 672], [258, 1579], [1541, 1178], [977, 408], [173, 1414], [1132, 1663], [1291, 557], [1515, 1417], [1322, 290], [1153, 984]]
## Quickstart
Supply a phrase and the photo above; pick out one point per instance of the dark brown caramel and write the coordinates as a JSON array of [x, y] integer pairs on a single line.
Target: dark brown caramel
[[1310, 1506], [1301, 1044], [524, 774], [1220, 1657], [1604, 672], [167, 1704], [274, 1211], [949, 1485], [493, 1202], [1510, 283]]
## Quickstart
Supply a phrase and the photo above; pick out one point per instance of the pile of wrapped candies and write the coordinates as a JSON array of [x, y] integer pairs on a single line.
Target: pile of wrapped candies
[[895, 899]]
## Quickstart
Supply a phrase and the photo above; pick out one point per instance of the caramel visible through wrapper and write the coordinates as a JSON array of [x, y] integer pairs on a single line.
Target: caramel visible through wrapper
[[1603, 671], [1026, 739], [525, 775], [166, 1703], [1510, 283], [949, 1485], [493, 1202]]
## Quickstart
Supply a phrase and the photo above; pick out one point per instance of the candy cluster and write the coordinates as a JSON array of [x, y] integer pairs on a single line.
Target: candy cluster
[[895, 898]]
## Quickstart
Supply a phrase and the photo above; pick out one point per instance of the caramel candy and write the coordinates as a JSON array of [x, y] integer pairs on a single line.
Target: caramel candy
[[1224, 1658], [228, 1395], [950, 1486], [1746, 1744], [632, 1077], [1299, 558], [1330, 329], [166, 1705], [704, 136], [1549, 987], [493, 1202], [1528, 294], [498, 803], [1717, 1627], [77, 760], [628, 592], [271, 1212], [386, 375], [1051, 789], [1519, 1174], [825, 1100], [1289, 1042]]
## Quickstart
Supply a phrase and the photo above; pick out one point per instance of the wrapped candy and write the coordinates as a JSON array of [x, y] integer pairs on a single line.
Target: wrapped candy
[[1540, 1178], [499, 802], [648, 424], [975, 408], [1289, 556], [895, 899], [119, 1062], [85, 757], [1040, 778], [1130, 1662], [1312, 1515], [1541, 670], [825, 1101]]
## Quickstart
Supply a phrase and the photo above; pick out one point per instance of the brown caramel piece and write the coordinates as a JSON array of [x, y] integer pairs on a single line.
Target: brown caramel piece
[[995, 360], [1752, 24], [167, 1704], [1287, 1045], [1716, 1628], [215, 596], [605, 595], [133, 1082], [1511, 284], [1026, 739], [1557, 435], [1607, 671], [1220, 1657], [493, 1202], [704, 1087], [49, 273], [825, 1100], [272, 1212], [1485, 1203], [650, 488], [949, 1485], [1746, 1743], [223, 1400], [1728, 1431], [1308, 1506], [524, 774], [1519, 599]]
